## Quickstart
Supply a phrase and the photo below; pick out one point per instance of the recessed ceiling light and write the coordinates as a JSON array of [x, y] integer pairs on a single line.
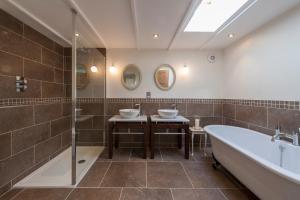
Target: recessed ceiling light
[[155, 36], [231, 35], [77, 34], [212, 14]]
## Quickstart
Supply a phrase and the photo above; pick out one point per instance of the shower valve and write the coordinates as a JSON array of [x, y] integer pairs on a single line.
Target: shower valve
[[21, 84]]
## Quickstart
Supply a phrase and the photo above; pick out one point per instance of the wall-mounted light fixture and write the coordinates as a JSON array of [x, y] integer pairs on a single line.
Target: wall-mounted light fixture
[[77, 34], [94, 69], [112, 69], [185, 69]]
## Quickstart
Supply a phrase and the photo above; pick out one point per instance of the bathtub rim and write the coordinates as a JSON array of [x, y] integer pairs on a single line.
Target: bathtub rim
[[291, 176]]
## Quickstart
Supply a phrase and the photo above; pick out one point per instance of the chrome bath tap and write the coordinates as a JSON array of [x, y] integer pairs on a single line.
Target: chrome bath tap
[[292, 138]]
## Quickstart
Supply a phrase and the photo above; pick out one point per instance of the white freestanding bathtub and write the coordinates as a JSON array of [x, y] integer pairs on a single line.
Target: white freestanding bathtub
[[269, 169]]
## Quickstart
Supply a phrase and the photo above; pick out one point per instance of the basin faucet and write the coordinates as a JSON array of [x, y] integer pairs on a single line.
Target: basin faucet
[[139, 108], [174, 106], [295, 138]]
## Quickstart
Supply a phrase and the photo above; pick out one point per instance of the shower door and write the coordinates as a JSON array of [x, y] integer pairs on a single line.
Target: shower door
[[88, 95]]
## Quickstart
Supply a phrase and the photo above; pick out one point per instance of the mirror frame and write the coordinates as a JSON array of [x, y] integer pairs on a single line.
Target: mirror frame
[[122, 77], [156, 82]]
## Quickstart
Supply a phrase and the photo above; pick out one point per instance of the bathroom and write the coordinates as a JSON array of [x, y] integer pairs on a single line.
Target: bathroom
[[137, 99]]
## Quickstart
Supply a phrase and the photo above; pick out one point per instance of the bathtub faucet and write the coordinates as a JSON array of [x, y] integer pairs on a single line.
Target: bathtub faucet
[[278, 135]]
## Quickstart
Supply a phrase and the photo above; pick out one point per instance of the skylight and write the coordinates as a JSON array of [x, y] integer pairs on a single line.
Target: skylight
[[212, 14]]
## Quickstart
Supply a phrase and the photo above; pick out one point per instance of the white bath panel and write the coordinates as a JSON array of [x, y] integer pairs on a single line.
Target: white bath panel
[[57, 172]]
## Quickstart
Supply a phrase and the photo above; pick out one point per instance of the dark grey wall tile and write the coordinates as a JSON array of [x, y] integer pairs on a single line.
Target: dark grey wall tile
[[98, 122], [47, 148], [31, 50], [218, 110], [289, 120], [10, 65], [66, 138], [68, 51], [58, 48], [4, 189], [60, 125], [203, 110], [92, 108], [67, 63], [229, 110], [90, 136], [15, 165], [68, 90], [262, 129], [13, 118], [232, 122], [10, 22], [30, 136], [58, 76], [35, 70], [67, 109], [36, 36], [5, 145], [46, 112], [210, 121], [68, 77], [86, 124], [51, 58], [52, 90], [149, 108], [8, 88], [13, 43], [251, 114]]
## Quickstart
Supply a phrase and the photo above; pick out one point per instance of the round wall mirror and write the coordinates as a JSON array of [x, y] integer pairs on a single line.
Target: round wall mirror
[[165, 77], [131, 77], [82, 76]]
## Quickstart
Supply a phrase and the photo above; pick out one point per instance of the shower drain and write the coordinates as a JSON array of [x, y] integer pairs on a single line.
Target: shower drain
[[81, 161]]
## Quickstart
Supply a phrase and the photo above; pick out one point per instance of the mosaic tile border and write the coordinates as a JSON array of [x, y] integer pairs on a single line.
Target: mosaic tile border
[[290, 105], [32, 101]]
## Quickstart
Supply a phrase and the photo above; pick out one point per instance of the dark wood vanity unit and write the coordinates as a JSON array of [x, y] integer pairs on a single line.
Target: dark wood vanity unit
[[117, 123], [179, 123]]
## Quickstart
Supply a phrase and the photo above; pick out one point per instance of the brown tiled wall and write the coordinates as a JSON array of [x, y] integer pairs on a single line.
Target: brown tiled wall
[[262, 116], [35, 124]]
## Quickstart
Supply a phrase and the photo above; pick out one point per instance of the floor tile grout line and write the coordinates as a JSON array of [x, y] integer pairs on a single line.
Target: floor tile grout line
[[69, 193], [190, 180], [222, 193], [121, 193], [105, 174]]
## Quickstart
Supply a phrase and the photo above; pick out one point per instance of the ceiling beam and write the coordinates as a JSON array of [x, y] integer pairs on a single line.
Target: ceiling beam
[[38, 20], [185, 20], [74, 6], [135, 22]]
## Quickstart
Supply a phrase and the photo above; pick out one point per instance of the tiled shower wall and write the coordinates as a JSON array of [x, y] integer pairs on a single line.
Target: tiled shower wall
[[35, 124]]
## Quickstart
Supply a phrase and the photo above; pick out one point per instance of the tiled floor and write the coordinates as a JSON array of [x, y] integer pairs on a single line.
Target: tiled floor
[[129, 177]]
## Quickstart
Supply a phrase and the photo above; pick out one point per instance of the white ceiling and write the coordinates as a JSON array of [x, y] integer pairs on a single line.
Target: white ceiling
[[131, 23]]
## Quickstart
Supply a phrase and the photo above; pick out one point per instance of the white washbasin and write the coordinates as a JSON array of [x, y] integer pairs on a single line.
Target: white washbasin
[[129, 113], [167, 113]]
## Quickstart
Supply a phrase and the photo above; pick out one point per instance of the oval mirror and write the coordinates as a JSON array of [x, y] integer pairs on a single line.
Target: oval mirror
[[165, 77], [82, 76], [131, 77]]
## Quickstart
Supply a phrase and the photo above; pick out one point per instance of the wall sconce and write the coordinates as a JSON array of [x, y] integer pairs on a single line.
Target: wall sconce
[[94, 69], [185, 69], [112, 69]]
